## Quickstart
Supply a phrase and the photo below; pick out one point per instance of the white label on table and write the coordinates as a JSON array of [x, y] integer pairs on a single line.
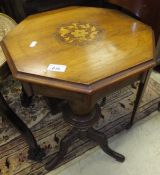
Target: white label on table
[[57, 68]]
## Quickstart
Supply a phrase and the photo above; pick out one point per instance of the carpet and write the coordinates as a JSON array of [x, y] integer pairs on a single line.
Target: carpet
[[49, 129]]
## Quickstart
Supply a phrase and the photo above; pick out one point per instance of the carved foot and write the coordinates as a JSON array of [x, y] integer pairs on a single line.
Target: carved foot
[[64, 145], [110, 152], [36, 154], [102, 140]]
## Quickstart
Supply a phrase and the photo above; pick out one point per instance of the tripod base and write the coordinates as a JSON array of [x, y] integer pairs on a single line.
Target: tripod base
[[82, 130]]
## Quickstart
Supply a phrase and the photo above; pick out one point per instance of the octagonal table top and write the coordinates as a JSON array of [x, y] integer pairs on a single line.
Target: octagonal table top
[[80, 45]]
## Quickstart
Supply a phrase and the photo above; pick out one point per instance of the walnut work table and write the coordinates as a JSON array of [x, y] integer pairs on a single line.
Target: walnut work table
[[80, 54]]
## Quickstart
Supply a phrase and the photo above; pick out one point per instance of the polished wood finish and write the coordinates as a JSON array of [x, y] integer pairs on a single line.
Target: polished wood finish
[[92, 69], [146, 10], [103, 50], [101, 56]]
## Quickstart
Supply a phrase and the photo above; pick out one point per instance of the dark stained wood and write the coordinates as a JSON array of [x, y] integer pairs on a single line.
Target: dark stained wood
[[140, 92], [32, 6], [82, 129]]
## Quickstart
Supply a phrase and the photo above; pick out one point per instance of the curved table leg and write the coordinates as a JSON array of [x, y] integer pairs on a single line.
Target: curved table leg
[[102, 140], [35, 152], [82, 129], [64, 145]]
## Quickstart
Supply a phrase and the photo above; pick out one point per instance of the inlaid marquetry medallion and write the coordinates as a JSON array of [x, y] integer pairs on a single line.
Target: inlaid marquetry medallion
[[78, 33]]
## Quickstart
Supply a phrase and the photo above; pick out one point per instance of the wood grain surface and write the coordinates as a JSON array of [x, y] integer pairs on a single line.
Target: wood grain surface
[[106, 42], [146, 10]]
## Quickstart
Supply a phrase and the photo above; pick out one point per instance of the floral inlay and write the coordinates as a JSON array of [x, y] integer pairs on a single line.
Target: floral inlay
[[78, 33]]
